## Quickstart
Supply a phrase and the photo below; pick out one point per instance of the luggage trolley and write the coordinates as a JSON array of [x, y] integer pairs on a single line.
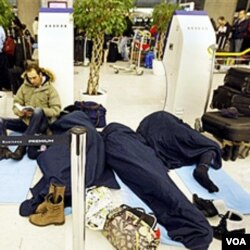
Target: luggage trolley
[[226, 60], [139, 46]]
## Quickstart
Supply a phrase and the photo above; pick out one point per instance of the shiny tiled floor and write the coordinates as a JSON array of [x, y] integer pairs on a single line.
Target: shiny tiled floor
[[130, 98]]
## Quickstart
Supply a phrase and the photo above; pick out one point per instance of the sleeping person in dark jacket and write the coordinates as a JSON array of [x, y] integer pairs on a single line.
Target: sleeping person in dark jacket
[[177, 145], [55, 163], [138, 166]]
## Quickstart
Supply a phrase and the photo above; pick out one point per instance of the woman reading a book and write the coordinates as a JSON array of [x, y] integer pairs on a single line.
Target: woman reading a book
[[37, 104]]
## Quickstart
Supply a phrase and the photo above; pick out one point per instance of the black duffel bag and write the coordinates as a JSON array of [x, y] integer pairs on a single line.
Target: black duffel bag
[[238, 79], [96, 112], [225, 97]]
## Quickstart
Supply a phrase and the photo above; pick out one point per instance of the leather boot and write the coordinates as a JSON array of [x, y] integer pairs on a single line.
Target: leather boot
[[56, 191], [235, 152], [227, 152], [230, 223], [5, 153], [19, 153], [54, 213], [59, 192], [42, 208]]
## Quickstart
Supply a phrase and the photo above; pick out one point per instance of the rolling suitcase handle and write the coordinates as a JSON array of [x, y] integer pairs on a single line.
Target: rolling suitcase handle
[[212, 47]]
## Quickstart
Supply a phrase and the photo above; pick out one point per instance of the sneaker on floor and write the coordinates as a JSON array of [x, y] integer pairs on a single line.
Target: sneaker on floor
[[205, 206], [230, 223]]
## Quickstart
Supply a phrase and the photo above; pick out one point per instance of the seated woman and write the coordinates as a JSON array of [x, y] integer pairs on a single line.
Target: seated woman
[[177, 145], [145, 174]]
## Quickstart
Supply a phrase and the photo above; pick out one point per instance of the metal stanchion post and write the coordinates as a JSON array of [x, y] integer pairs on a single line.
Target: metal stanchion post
[[78, 160], [213, 47]]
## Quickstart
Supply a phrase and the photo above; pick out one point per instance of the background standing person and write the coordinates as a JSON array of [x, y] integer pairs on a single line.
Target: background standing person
[[239, 31], [44, 106], [35, 28], [128, 32], [223, 32]]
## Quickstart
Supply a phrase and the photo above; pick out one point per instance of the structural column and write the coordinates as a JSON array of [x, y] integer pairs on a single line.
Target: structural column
[[27, 11], [216, 8]]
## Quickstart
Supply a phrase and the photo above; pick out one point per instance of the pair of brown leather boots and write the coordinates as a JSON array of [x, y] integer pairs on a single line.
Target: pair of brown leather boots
[[6, 153], [51, 211]]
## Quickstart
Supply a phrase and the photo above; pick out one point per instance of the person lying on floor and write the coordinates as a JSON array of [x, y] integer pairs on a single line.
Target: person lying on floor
[[38, 93], [55, 163], [177, 145], [138, 166]]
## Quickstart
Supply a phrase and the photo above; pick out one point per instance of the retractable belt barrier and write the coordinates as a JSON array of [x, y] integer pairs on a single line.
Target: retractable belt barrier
[[77, 142], [31, 140]]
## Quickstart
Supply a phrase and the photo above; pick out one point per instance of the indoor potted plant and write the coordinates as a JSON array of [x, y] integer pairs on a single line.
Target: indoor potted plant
[[6, 14], [162, 14], [98, 18]]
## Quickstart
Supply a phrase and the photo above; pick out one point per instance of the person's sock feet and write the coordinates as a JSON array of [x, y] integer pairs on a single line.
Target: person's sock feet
[[201, 176]]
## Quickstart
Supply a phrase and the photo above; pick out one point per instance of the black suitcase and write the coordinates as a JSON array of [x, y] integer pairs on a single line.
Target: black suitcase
[[242, 104], [222, 97], [225, 97], [239, 79], [236, 130]]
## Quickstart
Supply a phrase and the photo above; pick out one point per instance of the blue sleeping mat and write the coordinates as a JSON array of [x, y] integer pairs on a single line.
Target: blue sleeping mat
[[234, 196], [16, 179]]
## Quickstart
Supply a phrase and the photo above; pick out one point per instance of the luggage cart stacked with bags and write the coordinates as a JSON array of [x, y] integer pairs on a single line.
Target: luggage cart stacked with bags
[[140, 45], [230, 124]]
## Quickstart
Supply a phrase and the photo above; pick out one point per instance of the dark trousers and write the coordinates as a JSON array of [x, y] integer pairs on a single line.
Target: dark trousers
[[207, 158], [38, 124], [4, 72]]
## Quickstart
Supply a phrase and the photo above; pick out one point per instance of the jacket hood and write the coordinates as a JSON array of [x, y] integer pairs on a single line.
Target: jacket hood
[[46, 72]]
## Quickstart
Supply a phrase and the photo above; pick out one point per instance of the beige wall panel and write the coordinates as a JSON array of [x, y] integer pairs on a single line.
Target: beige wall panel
[[216, 8], [27, 11]]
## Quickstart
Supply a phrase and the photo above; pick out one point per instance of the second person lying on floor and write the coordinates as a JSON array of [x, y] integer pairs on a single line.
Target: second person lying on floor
[[178, 145]]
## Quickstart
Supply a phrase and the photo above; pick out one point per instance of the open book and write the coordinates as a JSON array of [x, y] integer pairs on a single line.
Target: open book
[[24, 108]]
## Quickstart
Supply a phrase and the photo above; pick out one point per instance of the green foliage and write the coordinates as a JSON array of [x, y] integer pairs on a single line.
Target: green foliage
[[162, 15], [101, 16], [6, 14], [96, 18]]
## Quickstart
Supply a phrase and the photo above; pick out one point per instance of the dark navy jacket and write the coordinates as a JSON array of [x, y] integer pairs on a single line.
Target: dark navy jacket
[[175, 142], [55, 163]]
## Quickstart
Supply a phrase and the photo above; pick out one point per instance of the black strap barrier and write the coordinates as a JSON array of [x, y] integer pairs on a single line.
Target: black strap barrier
[[32, 140]]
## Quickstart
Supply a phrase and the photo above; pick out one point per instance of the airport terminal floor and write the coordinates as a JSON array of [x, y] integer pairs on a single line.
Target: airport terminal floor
[[130, 99]]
